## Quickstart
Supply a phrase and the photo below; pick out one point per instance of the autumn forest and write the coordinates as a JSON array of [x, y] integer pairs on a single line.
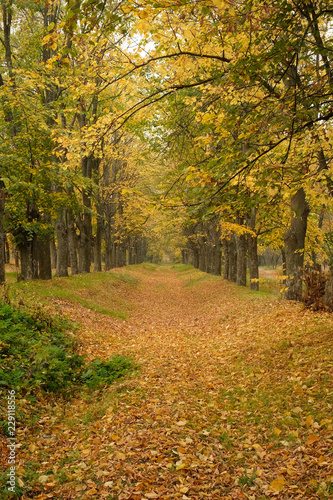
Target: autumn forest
[[154, 155], [202, 129]]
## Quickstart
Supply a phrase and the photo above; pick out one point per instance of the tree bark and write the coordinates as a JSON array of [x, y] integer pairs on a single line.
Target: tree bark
[[2, 234], [225, 245], [84, 224], [283, 254], [44, 258], [62, 247], [98, 243], [26, 260], [232, 254], [217, 259], [7, 249], [72, 243], [195, 258], [241, 260], [252, 247], [108, 247], [252, 252], [53, 251], [294, 243]]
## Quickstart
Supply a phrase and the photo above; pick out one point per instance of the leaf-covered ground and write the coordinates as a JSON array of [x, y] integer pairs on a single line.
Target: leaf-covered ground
[[233, 399]]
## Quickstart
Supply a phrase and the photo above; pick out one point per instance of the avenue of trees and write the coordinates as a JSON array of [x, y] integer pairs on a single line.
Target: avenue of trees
[[205, 127]]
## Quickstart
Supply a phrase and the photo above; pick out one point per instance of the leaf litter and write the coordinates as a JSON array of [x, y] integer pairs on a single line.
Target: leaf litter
[[233, 400]]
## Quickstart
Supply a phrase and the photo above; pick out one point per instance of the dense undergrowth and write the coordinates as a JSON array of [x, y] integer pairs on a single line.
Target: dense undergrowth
[[38, 354]]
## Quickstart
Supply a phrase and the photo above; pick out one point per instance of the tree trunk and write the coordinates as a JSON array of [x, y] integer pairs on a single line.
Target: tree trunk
[[2, 234], [84, 225], [225, 245], [196, 258], [7, 249], [17, 257], [216, 259], [294, 243], [62, 246], [26, 260], [131, 250], [283, 254], [72, 243], [241, 259], [53, 251], [232, 254], [252, 248], [98, 244], [252, 252], [108, 247], [44, 258]]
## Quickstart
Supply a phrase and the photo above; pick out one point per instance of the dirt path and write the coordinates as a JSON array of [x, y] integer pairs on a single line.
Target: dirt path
[[172, 431], [175, 326]]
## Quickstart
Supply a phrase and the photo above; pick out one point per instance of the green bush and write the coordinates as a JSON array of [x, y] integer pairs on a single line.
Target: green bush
[[34, 351], [37, 354], [105, 372]]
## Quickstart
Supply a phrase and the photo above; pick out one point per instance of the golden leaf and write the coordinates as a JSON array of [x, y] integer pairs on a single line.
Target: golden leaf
[[277, 485], [257, 447], [309, 421], [219, 3], [143, 14], [114, 437], [125, 9]]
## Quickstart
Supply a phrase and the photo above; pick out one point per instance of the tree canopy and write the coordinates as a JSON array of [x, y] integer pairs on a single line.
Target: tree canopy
[[134, 130]]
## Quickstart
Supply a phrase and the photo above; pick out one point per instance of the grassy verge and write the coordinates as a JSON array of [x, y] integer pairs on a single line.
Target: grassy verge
[[92, 291]]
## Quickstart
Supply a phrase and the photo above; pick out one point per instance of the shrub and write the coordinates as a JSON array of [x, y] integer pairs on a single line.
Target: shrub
[[105, 372], [315, 282], [37, 354]]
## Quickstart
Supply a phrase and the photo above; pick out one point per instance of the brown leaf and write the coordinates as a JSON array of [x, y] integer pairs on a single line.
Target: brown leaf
[[312, 439]]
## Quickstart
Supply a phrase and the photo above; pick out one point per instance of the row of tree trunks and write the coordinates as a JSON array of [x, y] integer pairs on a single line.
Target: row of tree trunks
[[68, 251], [137, 250], [205, 245]]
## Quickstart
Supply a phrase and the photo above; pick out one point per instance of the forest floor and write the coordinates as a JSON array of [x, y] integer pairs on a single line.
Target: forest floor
[[233, 398]]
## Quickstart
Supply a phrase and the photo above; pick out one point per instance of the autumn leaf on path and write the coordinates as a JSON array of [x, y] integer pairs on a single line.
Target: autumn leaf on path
[[277, 485]]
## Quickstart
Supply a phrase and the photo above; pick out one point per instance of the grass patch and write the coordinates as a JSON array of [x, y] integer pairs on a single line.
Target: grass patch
[[147, 266], [92, 291], [192, 282], [267, 289], [182, 267]]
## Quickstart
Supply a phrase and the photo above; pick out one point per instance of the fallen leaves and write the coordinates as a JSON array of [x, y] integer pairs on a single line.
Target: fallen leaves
[[312, 439], [277, 485], [214, 413]]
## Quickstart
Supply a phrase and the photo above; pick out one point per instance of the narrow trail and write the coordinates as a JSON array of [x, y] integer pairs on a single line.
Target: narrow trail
[[167, 431], [175, 326]]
